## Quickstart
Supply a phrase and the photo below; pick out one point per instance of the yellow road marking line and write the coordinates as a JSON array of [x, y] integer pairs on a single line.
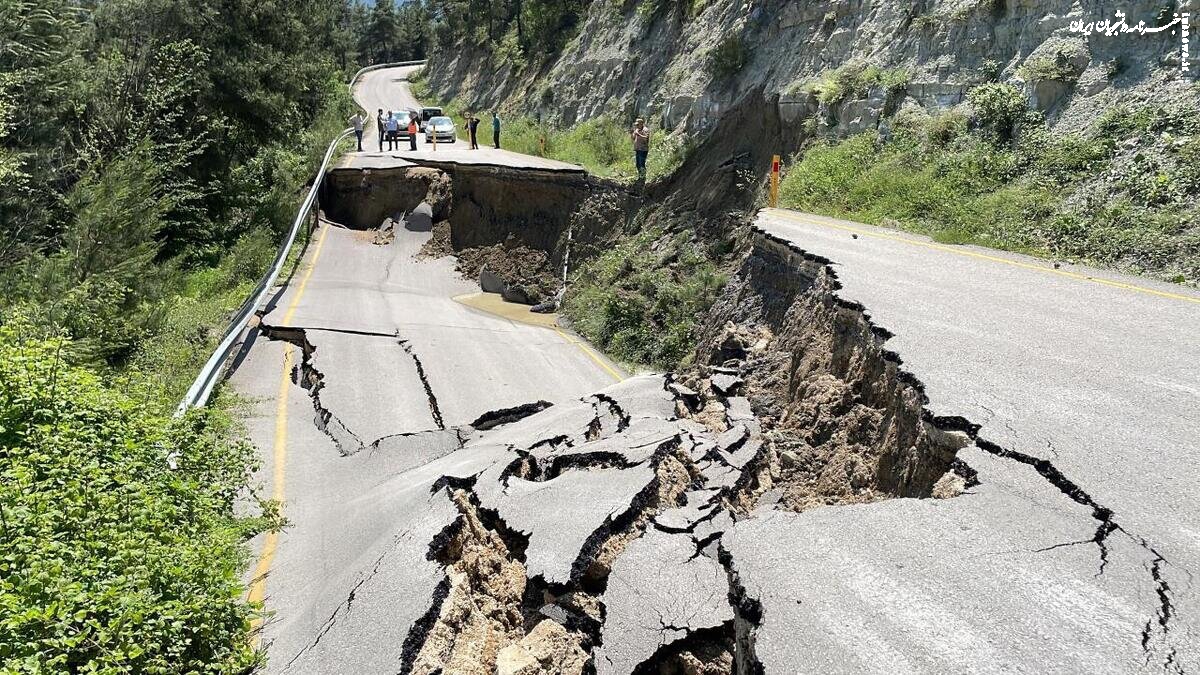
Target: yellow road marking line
[[258, 583], [983, 256], [616, 375]]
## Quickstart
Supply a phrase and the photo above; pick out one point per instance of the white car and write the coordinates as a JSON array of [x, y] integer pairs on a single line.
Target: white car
[[443, 127]]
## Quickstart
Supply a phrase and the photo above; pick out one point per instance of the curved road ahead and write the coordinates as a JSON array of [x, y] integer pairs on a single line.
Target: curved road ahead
[[403, 368], [387, 89]]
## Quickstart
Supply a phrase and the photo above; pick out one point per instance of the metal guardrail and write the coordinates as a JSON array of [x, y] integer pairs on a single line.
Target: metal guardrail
[[198, 394], [201, 389]]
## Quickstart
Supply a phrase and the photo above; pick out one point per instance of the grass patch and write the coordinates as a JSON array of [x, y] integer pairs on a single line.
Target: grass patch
[[1072, 195]]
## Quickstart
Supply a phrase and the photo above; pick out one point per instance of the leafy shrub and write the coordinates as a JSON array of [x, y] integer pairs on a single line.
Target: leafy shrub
[[946, 127], [895, 79], [1057, 67], [113, 562], [729, 57], [989, 70], [640, 300], [854, 80], [999, 109]]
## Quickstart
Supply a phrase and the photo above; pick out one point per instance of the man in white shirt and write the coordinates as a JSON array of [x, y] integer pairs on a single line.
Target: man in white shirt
[[357, 121]]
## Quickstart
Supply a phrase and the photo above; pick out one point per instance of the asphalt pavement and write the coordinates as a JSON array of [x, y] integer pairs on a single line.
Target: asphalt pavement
[[1078, 551], [398, 369], [387, 89]]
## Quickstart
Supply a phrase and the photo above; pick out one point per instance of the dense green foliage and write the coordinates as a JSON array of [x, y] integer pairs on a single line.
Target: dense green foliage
[[152, 154], [112, 561], [144, 140], [640, 300], [1122, 193], [531, 27], [384, 32]]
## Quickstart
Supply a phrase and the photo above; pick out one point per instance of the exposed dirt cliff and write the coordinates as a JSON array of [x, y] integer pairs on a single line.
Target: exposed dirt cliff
[[688, 64]]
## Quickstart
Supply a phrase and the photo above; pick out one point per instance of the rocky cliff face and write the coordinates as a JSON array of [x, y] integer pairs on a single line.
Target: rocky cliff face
[[688, 64]]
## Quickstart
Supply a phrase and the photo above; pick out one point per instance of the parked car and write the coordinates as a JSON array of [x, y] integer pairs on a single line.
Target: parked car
[[426, 115], [402, 118], [442, 127]]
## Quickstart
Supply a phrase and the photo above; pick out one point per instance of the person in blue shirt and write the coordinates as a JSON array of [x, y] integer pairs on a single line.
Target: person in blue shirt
[[392, 127]]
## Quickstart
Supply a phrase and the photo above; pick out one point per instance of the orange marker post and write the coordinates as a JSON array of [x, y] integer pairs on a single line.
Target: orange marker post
[[773, 198]]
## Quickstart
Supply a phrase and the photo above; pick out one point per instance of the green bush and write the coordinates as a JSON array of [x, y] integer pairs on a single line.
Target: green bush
[[854, 80], [113, 562], [640, 300], [1056, 67], [999, 109]]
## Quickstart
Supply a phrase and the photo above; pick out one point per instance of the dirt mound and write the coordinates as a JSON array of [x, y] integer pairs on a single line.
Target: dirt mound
[[525, 270], [439, 244]]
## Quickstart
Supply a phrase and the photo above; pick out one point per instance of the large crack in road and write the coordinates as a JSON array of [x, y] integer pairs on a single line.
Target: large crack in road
[[723, 519], [568, 554]]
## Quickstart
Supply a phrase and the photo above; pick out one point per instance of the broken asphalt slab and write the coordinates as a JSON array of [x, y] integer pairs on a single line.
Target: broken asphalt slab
[[659, 592], [1004, 577]]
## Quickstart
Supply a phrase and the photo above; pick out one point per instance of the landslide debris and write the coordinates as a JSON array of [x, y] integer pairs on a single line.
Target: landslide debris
[[482, 611], [526, 271]]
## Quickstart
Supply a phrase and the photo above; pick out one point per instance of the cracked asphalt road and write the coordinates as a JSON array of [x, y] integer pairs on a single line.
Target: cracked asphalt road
[[1075, 552], [1028, 571], [358, 304], [1088, 380]]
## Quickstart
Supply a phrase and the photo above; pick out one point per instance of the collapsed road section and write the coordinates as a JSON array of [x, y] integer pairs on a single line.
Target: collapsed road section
[[476, 497]]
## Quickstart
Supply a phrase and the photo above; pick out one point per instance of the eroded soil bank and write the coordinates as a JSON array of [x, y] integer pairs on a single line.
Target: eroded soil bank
[[520, 224], [588, 534]]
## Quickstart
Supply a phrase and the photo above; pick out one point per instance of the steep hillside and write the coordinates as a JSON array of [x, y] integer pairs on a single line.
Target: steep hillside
[[1076, 145], [688, 63]]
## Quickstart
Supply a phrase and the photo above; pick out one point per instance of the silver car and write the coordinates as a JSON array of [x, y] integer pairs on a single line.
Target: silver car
[[443, 127]]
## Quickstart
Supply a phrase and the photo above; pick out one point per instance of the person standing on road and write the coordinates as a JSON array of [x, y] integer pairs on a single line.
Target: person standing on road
[[412, 133], [641, 146], [391, 127], [473, 125], [380, 127], [357, 121], [495, 130]]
